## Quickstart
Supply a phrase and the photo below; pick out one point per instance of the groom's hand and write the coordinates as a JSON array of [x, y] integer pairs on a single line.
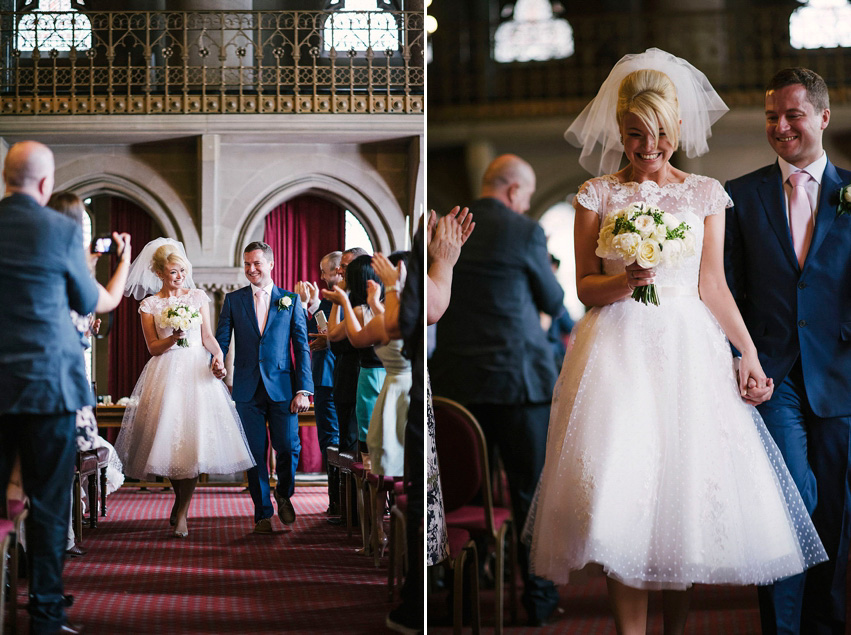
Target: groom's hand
[[300, 403]]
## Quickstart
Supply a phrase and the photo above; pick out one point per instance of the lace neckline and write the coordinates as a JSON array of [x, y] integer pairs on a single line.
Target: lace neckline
[[649, 183]]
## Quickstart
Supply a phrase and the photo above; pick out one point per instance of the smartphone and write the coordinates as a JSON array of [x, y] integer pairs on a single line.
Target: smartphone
[[321, 322], [103, 245]]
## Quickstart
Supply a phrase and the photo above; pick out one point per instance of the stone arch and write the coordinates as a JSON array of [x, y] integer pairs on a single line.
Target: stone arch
[[118, 176], [370, 200]]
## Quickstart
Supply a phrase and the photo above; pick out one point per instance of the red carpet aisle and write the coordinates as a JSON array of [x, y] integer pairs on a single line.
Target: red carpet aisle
[[136, 578], [714, 610]]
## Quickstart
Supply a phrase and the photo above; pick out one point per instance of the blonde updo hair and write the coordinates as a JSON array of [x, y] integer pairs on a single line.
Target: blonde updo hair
[[165, 255], [652, 97]]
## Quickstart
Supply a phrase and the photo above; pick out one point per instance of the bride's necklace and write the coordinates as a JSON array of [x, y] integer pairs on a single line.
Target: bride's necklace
[[668, 178]]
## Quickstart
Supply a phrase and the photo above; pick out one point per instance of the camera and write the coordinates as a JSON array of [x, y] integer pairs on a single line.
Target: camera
[[104, 245]]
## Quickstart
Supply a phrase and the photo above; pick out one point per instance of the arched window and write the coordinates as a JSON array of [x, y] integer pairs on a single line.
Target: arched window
[[533, 34], [558, 226], [821, 24], [61, 32], [356, 235], [359, 25]]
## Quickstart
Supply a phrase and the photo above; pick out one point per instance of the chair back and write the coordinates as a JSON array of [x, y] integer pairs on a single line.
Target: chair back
[[462, 457]]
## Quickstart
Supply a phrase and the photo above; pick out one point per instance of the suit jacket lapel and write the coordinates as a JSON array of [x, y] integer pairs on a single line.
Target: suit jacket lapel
[[248, 306], [774, 205], [830, 184], [273, 302]]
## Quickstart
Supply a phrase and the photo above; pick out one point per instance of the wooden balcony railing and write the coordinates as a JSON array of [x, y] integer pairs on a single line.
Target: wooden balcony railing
[[738, 49], [158, 62]]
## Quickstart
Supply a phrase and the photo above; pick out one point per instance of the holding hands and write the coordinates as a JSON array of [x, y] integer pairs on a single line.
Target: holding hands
[[754, 387], [218, 367]]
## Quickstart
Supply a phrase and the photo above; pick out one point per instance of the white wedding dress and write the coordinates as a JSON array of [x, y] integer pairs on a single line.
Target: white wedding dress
[[180, 421], [657, 473]]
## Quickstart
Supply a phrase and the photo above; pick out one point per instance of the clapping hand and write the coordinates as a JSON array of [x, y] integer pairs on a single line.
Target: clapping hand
[[319, 341], [450, 234], [307, 291], [122, 245], [335, 295], [387, 272]]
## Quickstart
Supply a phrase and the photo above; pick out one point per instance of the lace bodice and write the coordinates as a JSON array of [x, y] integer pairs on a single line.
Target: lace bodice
[[155, 306], [691, 201]]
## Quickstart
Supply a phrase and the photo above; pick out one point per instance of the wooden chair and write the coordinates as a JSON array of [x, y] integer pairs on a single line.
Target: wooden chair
[[467, 493], [91, 464], [379, 487], [7, 543], [397, 560], [463, 559], [15, 512]]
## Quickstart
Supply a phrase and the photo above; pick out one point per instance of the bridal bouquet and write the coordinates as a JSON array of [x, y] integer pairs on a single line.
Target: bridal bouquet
[[179, 317], [646, 235]]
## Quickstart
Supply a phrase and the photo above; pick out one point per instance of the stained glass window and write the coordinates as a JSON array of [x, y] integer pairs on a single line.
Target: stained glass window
[[533, 34], [47, 32], [359, 25], [821, 24]]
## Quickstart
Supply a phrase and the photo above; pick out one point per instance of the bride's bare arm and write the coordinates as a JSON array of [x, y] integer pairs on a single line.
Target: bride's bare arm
[[207, 338], [593, 286], [716, 295], [157, 346]]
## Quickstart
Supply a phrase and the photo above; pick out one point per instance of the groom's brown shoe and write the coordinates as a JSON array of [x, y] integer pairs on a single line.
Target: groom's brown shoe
[[286, 511], [263, 526]]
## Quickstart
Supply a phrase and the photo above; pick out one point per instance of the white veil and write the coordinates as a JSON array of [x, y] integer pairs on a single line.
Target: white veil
[[596, 129], [142, 281]]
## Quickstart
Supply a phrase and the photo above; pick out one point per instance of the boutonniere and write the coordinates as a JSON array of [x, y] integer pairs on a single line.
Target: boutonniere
[[285, 303], [844, 206]]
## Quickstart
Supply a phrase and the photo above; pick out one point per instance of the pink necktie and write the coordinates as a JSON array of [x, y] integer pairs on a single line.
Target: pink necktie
[[800, 215], [260, 309]]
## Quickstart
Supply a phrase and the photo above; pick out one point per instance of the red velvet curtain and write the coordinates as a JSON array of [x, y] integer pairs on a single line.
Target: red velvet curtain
[[127, 351], [300, 232]]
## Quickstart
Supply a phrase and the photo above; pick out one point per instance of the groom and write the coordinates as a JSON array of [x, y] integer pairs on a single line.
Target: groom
[[788, 261], [266, 387]]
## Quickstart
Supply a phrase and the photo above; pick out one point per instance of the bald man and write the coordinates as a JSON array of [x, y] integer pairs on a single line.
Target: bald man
[[43, 275], [492, 354]]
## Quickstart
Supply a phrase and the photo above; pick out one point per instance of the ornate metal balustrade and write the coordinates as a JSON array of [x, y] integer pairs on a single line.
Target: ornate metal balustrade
[[738, 49], [156, 62]]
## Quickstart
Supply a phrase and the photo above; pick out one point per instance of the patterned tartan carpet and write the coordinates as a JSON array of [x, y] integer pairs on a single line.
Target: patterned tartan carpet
[[137, 578]]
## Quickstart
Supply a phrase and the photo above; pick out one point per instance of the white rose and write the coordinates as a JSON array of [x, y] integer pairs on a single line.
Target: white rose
[[688, 244], [670, 221], [672, 251], [847, 195], [660, 233], [184, 324], [286, 301], [626, 245], [648, 254], [644, 225]]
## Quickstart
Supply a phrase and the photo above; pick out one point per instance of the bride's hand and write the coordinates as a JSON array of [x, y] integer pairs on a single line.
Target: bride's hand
[[754, 387], [638, 276]]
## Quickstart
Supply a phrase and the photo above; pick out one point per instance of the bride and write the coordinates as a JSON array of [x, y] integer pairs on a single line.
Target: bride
[[180, 421], [658, 473]]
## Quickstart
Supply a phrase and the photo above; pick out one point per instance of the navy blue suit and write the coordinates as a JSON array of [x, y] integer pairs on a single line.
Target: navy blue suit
[[264, 384], [327, 428], [800, 321], [43, 275], [493, 356]]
